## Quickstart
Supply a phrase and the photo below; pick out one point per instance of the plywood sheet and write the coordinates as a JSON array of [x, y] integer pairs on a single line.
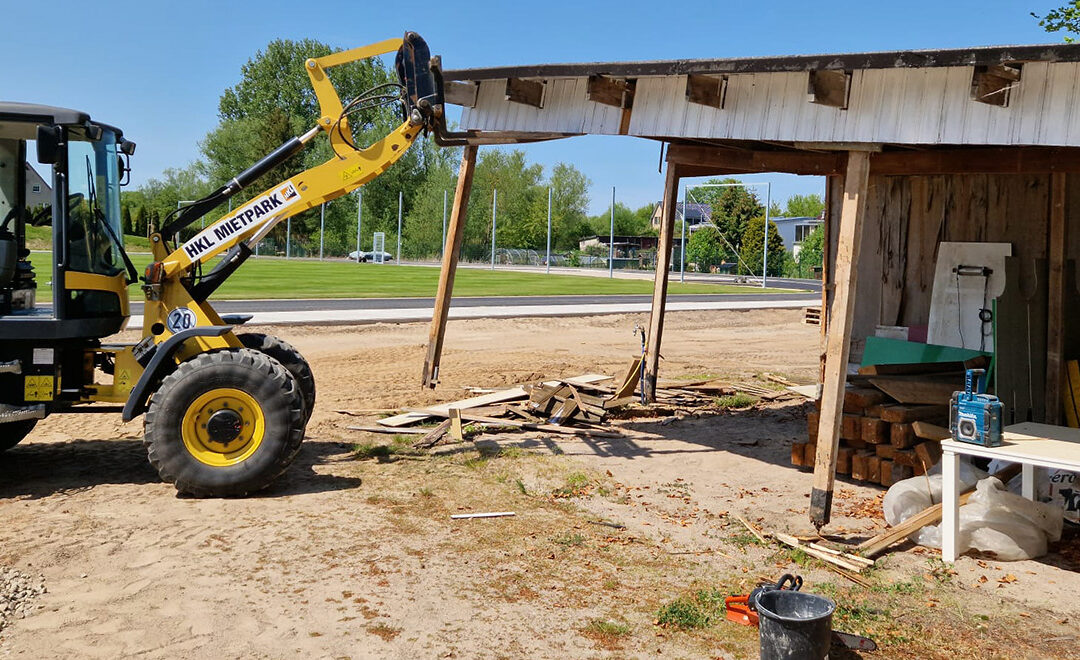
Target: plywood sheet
[[955, 301]]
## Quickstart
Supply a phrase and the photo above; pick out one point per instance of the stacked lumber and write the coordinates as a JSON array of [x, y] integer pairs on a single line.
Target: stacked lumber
[[893, 422]]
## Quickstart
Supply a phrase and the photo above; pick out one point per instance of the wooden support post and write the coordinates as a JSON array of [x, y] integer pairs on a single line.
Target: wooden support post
[[663, 266], [839, 342], [1055, 312], [454, 236]]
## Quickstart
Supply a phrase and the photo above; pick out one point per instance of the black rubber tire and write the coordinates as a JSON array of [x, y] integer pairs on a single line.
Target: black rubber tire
[[12, 433], [243, 369], [290, 358]]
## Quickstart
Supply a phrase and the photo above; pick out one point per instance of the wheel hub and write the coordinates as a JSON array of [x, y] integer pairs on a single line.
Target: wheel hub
[[224, 426]]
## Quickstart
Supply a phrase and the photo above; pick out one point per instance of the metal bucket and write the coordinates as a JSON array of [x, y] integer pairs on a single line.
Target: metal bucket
[[794, 625]]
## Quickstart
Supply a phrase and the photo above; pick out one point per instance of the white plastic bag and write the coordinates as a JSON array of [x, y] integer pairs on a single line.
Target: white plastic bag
[[910, 496], [1002, 524]]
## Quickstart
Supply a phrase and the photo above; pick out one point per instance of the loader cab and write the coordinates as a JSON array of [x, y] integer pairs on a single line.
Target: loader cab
[[60, 176]]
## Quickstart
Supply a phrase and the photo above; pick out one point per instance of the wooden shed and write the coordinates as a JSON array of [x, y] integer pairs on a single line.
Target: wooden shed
[[919, 147]]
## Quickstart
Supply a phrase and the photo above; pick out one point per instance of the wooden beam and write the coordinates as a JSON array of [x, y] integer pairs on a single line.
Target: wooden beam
[[992, 160], [611, 91], [992, 84], [663, 266], [526, 92], [704, 160], [745, 160], [460, 93], [1055, 313], [829, 88], [839, 341], [455, 234], [706, 90]]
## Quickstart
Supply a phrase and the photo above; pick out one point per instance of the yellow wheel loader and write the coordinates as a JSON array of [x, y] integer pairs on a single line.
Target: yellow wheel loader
[[224, 412]]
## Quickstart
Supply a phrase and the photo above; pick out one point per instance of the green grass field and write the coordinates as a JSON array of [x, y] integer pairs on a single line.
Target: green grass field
[[40, 238], [281, 278]]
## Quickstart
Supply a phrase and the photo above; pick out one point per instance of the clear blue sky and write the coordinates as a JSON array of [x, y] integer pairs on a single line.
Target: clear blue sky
[[157, 69]]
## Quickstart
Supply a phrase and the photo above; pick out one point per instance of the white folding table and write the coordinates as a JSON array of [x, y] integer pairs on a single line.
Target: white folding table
[[1030, 444]]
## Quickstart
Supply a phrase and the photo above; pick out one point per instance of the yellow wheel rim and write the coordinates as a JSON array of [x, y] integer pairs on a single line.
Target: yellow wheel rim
[[235, 406]]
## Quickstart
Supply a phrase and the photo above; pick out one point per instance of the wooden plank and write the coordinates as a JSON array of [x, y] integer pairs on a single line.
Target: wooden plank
[[843, 460], [729, 160], [885, 473], [874, 430], [502, 396], [916, 391], [829, 87], [1055, 326], [858, 399], [663, 266], [905, 457], [455, 234], [901, 413], [615, 92], [383, 429], [902, 435], [884, 451], [929, 454], [808, 454], [928, 431], [460, 93], [551, 428], [850, 427], [860, 465], [432, 437], [706, 90], [631, 379], [1003, 160], [526, 92], [456, 431], [838, 346], [873, 468], [797, 449]]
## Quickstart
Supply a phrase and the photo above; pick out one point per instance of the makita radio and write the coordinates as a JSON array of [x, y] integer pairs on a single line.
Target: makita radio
[[975, 416]]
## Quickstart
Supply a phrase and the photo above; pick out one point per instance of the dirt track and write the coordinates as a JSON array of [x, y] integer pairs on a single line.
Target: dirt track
[[358, 558]]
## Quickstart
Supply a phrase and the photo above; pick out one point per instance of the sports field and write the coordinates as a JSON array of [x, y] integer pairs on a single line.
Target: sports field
[[299, 278]]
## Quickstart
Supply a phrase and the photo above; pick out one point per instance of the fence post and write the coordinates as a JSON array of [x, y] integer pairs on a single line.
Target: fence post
[[548, 260], [765, 249], [682, 241], [400, 202], [322, 229], [494, 200], [443, 249], [359, 220], [288, 237], [611, 239]]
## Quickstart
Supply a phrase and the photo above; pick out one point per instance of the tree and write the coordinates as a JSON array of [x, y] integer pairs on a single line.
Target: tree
[[804, 206], [627, 222], [751, 248], [732, 208], [569, 205], [1063, 19], [706, 248], [811, 252]]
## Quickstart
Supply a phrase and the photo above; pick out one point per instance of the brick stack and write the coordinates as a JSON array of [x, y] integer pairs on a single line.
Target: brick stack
[[878, 442]]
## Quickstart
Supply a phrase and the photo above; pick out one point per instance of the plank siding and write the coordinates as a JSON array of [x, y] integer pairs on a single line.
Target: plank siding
[[899, 106], [908, 216]]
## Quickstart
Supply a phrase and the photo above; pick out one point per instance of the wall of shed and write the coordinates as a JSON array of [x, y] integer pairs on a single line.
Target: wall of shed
[[908, 216]]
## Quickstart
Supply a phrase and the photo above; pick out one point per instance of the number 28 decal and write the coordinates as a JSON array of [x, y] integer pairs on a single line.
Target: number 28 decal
[[180, 319]]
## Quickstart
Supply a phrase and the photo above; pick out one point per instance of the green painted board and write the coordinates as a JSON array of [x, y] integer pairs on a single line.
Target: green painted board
[[883, 350]]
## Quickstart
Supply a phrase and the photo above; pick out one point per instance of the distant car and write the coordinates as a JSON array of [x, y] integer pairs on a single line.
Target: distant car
[[369, 256]]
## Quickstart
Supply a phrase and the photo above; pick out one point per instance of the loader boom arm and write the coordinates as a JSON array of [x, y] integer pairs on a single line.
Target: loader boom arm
[[349, 168]]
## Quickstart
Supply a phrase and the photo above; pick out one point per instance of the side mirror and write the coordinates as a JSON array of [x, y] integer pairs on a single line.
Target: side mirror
[[127, 147], [48, 144], [123, 164]]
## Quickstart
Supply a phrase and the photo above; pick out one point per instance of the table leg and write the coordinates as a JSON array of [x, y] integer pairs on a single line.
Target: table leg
[[1027, 476], [950, 519]]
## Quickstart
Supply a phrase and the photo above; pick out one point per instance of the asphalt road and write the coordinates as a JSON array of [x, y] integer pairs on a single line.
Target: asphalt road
[[338, 304]]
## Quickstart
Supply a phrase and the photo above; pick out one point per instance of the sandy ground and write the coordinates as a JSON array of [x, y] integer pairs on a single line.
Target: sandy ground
[[358, 558]]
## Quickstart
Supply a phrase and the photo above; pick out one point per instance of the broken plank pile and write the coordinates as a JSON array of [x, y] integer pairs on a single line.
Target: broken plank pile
[[572, 406], [894, 419]]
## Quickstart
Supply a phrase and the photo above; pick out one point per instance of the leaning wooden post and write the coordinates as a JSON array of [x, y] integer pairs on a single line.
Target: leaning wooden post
[[663, 266], [838, 344], [1055, 340], [454, 236]]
